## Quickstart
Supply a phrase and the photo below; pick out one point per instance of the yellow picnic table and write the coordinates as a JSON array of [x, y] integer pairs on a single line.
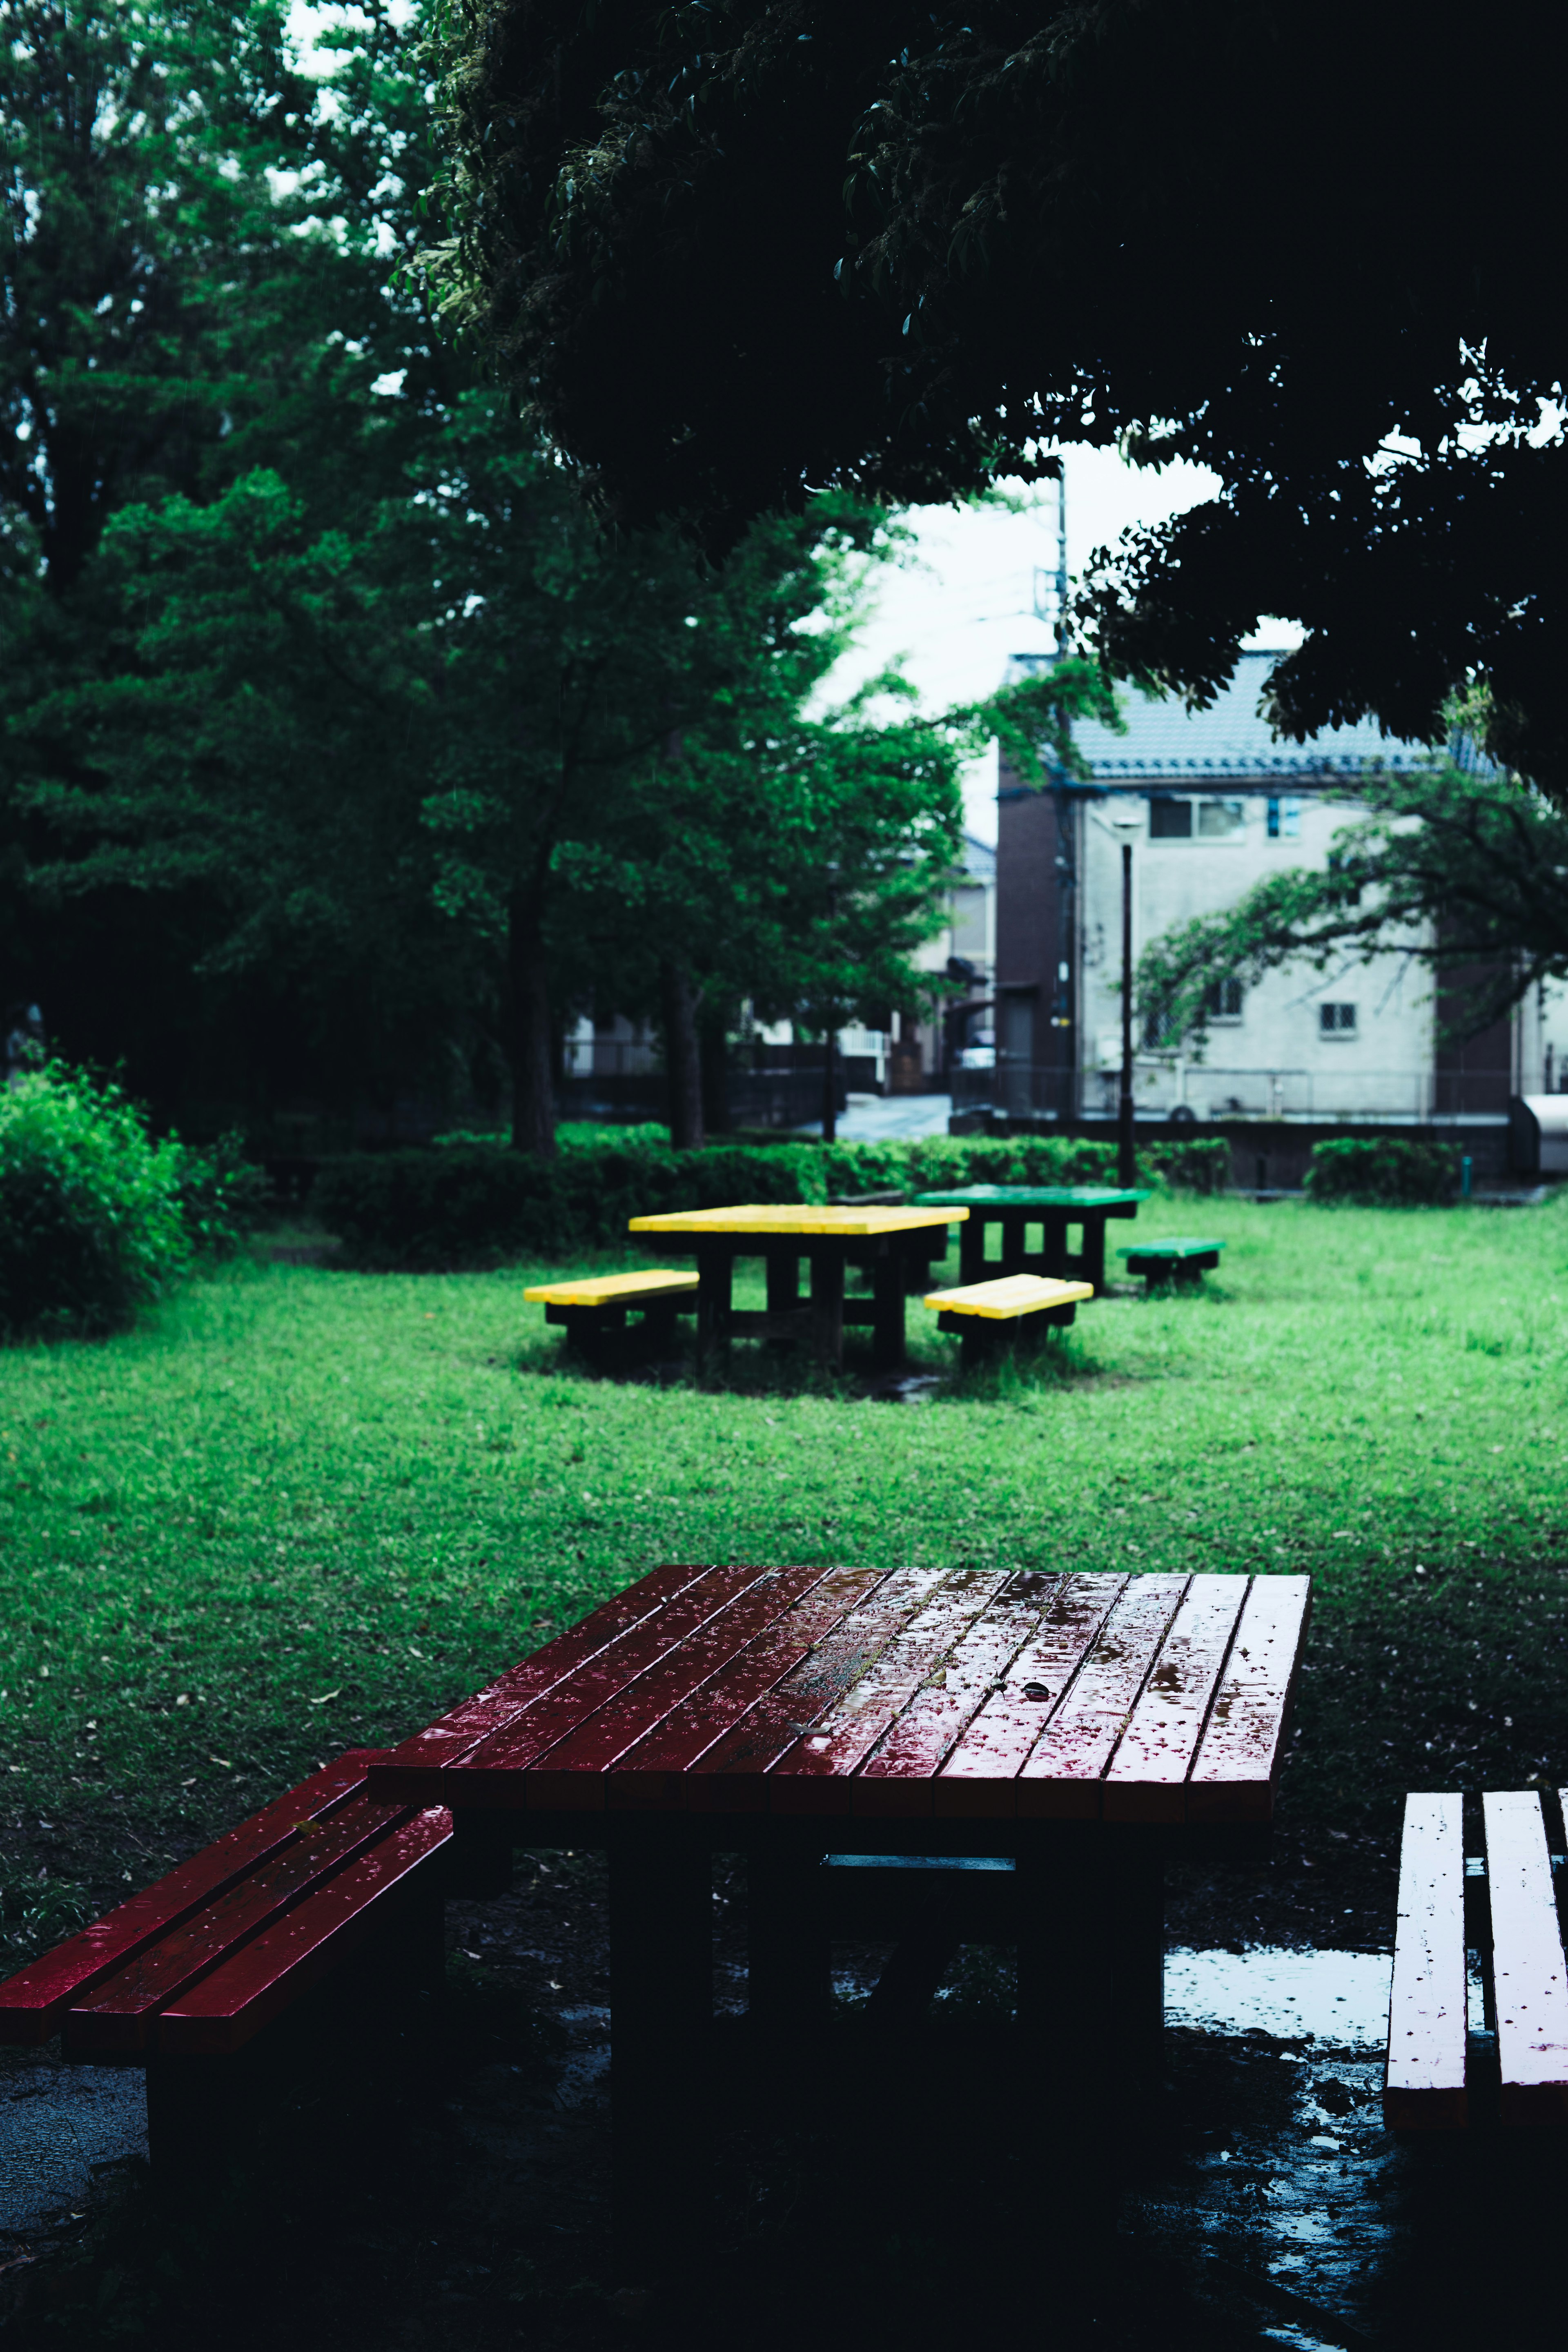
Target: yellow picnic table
[[829, 1239]]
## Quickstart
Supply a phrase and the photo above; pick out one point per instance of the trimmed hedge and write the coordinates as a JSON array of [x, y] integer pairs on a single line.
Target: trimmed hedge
[[472, 1203], [1383, 1170]]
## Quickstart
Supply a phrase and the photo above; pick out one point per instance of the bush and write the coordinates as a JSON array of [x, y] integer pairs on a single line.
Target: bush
[[470, 1203], [1383, 1170], [90, 1221], [223, 1196]]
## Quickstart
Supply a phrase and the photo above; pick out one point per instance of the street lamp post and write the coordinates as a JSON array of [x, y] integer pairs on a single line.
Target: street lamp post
[[1126, 820]]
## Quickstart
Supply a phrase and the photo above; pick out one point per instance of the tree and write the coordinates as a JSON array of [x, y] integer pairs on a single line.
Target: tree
[[903, 247], [1460, 868]]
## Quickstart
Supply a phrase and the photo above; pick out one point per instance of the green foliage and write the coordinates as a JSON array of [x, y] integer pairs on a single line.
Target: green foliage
[[91, 1225], [1382, 1169], [475, 1203], [223, 1195], [1455, 868], [823, 227]]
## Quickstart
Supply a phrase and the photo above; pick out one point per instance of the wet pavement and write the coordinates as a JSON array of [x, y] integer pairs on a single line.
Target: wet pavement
[[897, 2189]]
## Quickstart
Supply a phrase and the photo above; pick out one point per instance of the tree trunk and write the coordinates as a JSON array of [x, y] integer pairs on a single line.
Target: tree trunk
[[713, 1046], [532, 1095], [830, 1081], [683, 1059]]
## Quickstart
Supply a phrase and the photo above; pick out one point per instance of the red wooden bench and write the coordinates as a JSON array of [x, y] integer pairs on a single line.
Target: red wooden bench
[[1445, 2045], [185, 1976]]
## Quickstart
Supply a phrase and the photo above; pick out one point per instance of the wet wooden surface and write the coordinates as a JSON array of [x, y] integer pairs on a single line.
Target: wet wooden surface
[[1530, 1985], [1427, 2017], [915, 1694], [33, 2002]]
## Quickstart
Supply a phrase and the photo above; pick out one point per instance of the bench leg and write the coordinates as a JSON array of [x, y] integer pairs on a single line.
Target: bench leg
[[661, 2009], [658, 1326], [887, 1329]]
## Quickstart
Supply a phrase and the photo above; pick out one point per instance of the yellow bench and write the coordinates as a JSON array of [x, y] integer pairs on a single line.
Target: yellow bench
[[596, 1307], [983, 1313]]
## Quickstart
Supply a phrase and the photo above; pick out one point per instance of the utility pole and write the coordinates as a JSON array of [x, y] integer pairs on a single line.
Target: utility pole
[[1126, 1159]]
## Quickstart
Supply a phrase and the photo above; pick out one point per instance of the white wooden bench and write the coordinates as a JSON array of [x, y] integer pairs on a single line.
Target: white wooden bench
[[1445, 2046], [595, 1309], [985, 1313]]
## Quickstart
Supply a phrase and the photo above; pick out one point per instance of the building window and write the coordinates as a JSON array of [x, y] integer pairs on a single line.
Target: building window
[[1220, 819], [1336, 1020], [1223, 1002], [1170, 820], [1284, 820]]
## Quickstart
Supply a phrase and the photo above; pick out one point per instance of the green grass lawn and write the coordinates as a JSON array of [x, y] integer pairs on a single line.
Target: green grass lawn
[[301, 1510]]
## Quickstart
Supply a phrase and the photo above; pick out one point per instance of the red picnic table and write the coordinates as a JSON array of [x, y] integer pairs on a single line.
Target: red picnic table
[[1073, 1728]]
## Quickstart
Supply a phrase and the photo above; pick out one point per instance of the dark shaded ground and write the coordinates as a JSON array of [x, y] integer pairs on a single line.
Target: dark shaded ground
[[900, 2194]]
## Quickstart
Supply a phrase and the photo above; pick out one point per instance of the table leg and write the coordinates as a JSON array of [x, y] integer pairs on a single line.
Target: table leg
[[1054, 1234], [1092, 1264], [1012, 1245], [1066, 2010], [715, 1269], [971, 1248], [790, 1981], [827, 1305], [1138, 1962], [784, 1282], [661, 2009], [888, 1298]]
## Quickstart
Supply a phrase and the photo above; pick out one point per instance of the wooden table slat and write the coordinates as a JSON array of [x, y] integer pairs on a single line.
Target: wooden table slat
[[1146, 1779], [521, 1743], [1529, 1982], [475, 1719], [673, 1746], [998, 1743], [1061, 1779], [899, 1776], [1426, 2012], [590, 1748], [1239, 1757], [730, 1774], [840, 1741], [811, 1218]]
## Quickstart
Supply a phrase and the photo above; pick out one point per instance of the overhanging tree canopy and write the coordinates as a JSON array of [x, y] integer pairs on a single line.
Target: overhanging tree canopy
[[739, 249]]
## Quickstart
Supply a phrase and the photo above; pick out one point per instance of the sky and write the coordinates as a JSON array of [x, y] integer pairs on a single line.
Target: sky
[[954, 614]]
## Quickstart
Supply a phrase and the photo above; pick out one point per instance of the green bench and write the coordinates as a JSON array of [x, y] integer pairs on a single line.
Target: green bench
[[593, 1311], [982, 1314], [1181, 1259]]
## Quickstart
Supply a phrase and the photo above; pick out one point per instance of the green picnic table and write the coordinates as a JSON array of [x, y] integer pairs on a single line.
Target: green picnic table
[[1052, 1207]]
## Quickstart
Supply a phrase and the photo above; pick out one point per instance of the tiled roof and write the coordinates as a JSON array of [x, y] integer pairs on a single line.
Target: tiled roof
[[1165, 740]]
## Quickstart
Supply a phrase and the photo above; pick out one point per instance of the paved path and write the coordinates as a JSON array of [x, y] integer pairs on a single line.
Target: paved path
[[876, 1118]]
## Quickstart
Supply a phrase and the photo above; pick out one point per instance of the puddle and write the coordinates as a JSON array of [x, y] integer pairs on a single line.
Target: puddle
[[1339, 1999], [57, 2126]]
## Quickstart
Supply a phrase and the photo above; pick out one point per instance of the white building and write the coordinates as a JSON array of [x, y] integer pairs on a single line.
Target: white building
[[1221, 805]]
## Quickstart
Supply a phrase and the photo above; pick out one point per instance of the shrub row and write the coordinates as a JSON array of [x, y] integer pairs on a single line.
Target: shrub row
[[1383, 1170], [96, 1216], [471, 1202]]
